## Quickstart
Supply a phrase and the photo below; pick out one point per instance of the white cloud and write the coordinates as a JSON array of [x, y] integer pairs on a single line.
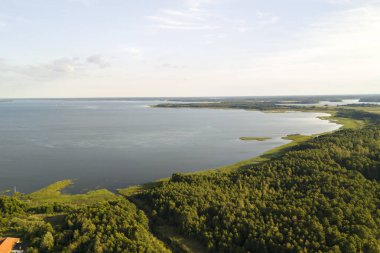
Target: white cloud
[[173, 66], [54, 70], [132, 50], [128, 52], [187, 19], [199, 3], [343, 49], [97, 60], [265, 18], [64, 65], [201, 15], [194, 15], [223, 49]]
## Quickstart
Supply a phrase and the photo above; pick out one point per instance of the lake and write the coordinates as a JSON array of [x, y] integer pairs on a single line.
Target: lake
[[115, 144]]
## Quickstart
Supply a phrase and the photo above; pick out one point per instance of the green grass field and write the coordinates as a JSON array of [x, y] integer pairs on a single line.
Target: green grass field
[[53, 193], [345, 122]]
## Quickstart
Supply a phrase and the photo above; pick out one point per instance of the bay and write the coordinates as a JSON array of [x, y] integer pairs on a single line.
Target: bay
[[113, 144]]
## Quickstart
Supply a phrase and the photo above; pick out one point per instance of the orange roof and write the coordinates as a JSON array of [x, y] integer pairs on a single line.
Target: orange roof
[[6, 244]]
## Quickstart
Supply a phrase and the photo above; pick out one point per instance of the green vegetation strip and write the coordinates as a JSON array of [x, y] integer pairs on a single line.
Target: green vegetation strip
[[136, 189], [254, 138], [53, 194]]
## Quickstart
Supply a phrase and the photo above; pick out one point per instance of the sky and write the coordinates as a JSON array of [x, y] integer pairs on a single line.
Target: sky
[[147, 48]]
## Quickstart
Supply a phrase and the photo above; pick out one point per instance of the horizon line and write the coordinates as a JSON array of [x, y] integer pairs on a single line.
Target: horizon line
[[150, 97]]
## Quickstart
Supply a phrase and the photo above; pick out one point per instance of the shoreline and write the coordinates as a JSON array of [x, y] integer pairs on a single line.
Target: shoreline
[[53, 192], [345, 123], [265, 156]]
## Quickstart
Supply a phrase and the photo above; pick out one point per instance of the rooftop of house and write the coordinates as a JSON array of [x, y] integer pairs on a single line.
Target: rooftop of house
[[7, 244]]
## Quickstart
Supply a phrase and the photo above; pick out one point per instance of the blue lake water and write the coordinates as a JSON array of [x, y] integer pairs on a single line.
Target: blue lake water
[[115, 144]]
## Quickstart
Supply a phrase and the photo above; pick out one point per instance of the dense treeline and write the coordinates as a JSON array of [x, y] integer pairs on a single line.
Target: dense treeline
[[313, 199], [11, 206], [350, 149], [370, 117], [278, 103], [246, 105], [361, 105], [375, 98], [114, 226], [276, 99]]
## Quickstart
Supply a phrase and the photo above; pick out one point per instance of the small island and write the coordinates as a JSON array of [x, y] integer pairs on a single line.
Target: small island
[[255, 138]]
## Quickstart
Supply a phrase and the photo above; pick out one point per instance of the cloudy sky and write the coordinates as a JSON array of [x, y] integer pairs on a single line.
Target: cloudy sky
[[99, 48]]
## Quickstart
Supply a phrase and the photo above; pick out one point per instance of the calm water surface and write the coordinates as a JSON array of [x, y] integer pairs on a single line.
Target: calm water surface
[[114, 144]]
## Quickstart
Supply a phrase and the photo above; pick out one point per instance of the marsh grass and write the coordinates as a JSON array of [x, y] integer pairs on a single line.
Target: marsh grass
[[53, 194]]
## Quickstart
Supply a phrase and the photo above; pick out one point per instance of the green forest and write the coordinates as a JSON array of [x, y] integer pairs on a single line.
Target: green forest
[[321, 195], [111, 226]]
